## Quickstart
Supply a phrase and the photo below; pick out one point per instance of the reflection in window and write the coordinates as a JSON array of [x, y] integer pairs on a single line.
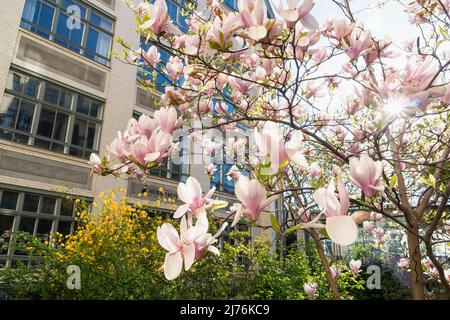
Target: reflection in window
[[9, 200], [18, 213], [91, 37], [60, 117]]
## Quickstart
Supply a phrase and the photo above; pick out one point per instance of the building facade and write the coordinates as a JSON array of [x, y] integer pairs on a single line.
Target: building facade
[[63, 96]]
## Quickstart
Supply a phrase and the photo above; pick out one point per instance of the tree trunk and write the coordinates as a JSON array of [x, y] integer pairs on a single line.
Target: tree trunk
[[323, 259], [417, 284]]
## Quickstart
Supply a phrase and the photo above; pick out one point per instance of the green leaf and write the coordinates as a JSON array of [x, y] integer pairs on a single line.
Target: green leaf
[[294, 228], [275, 223], [432, 180], [393, 181]]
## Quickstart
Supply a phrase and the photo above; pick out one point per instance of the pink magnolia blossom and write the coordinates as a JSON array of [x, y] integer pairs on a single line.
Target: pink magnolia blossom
[[379, 236], [340, 227], [234, 173], [253, 18], [310, 289], [355, 266], [319, 55], [210, 169], [253, 198], [174, 67], [359, 43], [270, 142], [293, 11], [366, 174], [190, 245], [403, 263], [96, 163], [368, 227], [335, 272], [447, 226], [159, 20], [167, 119], [194, 201], [151, 56], [178, 250]]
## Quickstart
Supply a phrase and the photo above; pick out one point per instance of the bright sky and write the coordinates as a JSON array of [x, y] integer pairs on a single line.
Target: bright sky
[[389, 19]]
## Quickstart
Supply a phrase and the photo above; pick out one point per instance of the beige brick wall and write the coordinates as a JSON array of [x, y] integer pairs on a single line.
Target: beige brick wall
[[121, 93], [10, 14]]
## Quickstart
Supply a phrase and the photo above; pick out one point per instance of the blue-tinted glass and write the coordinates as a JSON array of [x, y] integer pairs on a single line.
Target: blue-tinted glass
[[98, 42], [83, 104], [75, 35], [51, 94], [231, 3], [31, 87], [215, 179], [25, 117], [45, 19], [15, 82], [228, 185], [101, 21], [67, 3], [8, 111], [61, 29]]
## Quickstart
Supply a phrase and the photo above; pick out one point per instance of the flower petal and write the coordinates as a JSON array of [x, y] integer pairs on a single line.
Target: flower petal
[[173, 264], [342, 230]]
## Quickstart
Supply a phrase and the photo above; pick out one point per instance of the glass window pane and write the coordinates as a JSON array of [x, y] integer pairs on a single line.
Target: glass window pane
[[95, 109], [83, 104], [101, 21], [67, 3], [27, 224], [46, 122], [6, 223], [45, 19], [92, 128], [98, 42], [51, 94], [79, 132], [47, 205], [31, 87], [61, 124], [25, 117], [65, 100], [44, 228], [64, 227], [9, 200], [67, 207], [30, 203], [8, 111], [14, 82]]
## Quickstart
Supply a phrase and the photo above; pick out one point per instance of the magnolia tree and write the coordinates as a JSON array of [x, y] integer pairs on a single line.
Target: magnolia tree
[[344, 127]]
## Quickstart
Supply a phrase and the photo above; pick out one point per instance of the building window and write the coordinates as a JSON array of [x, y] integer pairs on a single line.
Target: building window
[[177, 12], [147, 74], [220, 180], [41, 114], [90, 35], [37, 214], [233, 4]]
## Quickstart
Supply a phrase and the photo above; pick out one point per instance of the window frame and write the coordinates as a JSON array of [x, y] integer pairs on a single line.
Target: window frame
[[40, 104], [82, 48], [18, 214]]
